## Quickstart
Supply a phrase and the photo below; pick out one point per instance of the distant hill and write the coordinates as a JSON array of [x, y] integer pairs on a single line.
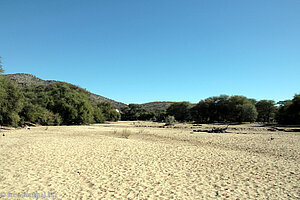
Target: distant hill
[[28, 80], [157, 106]]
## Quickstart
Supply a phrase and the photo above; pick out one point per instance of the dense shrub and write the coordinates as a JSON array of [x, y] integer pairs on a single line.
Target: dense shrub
[[40, 115], [266, 110], [70, 102], [241, 109], [170, 120], [98, 115], [212, 109], [289, 111], [11, 101], [180, 110], [224, 109], [109, 112], [136, 112]]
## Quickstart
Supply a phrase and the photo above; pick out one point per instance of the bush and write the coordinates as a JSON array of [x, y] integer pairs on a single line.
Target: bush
[[289, 111], [125, 133], [40, 115], [69, 102], [180, 110], [241, 109], [266, 110], [136, 112], [98, 115], [169, 120], [11, 101], [109, 112], [246, 113], [224, 109]]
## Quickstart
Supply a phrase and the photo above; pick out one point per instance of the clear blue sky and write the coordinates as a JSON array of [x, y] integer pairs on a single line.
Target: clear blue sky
[[138, 51]]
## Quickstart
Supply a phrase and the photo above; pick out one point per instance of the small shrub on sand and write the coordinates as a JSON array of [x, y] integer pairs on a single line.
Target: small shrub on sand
[[143, 131], [125, 133], [169, 120]]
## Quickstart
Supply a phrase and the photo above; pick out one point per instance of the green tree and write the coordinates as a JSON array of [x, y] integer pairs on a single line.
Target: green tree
[[160, 115], [242, 109], [289, 111], [246, 113], [170, 120], [180, 110], [201, 112], [137, 112], [224, 109], [98, 115], [132, 112], [109, 112], [11, 101], [266, 110], [40, 115], [70, 102], [212, 109]]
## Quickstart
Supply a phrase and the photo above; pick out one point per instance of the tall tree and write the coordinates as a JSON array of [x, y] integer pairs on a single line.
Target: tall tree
[[136, 112], [242, 109], [180, 110], [289, 111], [200, 112], [266, 110], [212, 109], [70, 102], [11, 101], [109, 113]]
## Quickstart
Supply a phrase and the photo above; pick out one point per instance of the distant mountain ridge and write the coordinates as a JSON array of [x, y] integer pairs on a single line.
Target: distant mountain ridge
[[23, 80]]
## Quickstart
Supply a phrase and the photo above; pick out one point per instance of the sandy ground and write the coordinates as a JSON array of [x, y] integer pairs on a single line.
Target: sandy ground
[[139, 160]]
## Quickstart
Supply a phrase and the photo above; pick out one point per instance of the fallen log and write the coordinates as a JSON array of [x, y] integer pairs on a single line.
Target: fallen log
[[218, 130]]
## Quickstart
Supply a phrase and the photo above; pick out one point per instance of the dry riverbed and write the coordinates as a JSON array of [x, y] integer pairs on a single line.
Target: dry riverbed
[[143, 160]]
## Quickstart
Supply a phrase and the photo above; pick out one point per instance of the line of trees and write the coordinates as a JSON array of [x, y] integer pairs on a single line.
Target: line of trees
[[66, 104], [53, 104], [224, 109]]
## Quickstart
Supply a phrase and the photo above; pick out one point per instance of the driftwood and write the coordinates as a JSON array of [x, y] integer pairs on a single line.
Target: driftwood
[[292, 130], [218, 130], [214, 130], [284, 129], [276, 129]]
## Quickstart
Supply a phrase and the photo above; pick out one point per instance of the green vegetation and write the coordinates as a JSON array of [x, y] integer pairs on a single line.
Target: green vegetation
[[222, 109], [136, 112], [109, 113], [61, 103], [126, 133], [266, 110], [53, 104], [180, 110], [289, 111], [70, 102], [11, 101], [170, 120]]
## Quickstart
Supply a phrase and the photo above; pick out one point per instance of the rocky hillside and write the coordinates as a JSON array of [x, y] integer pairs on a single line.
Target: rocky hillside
[[28, 80], [157, 106]]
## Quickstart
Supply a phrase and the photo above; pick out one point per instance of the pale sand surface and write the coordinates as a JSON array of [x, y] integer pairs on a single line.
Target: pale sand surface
[[98, 162]]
